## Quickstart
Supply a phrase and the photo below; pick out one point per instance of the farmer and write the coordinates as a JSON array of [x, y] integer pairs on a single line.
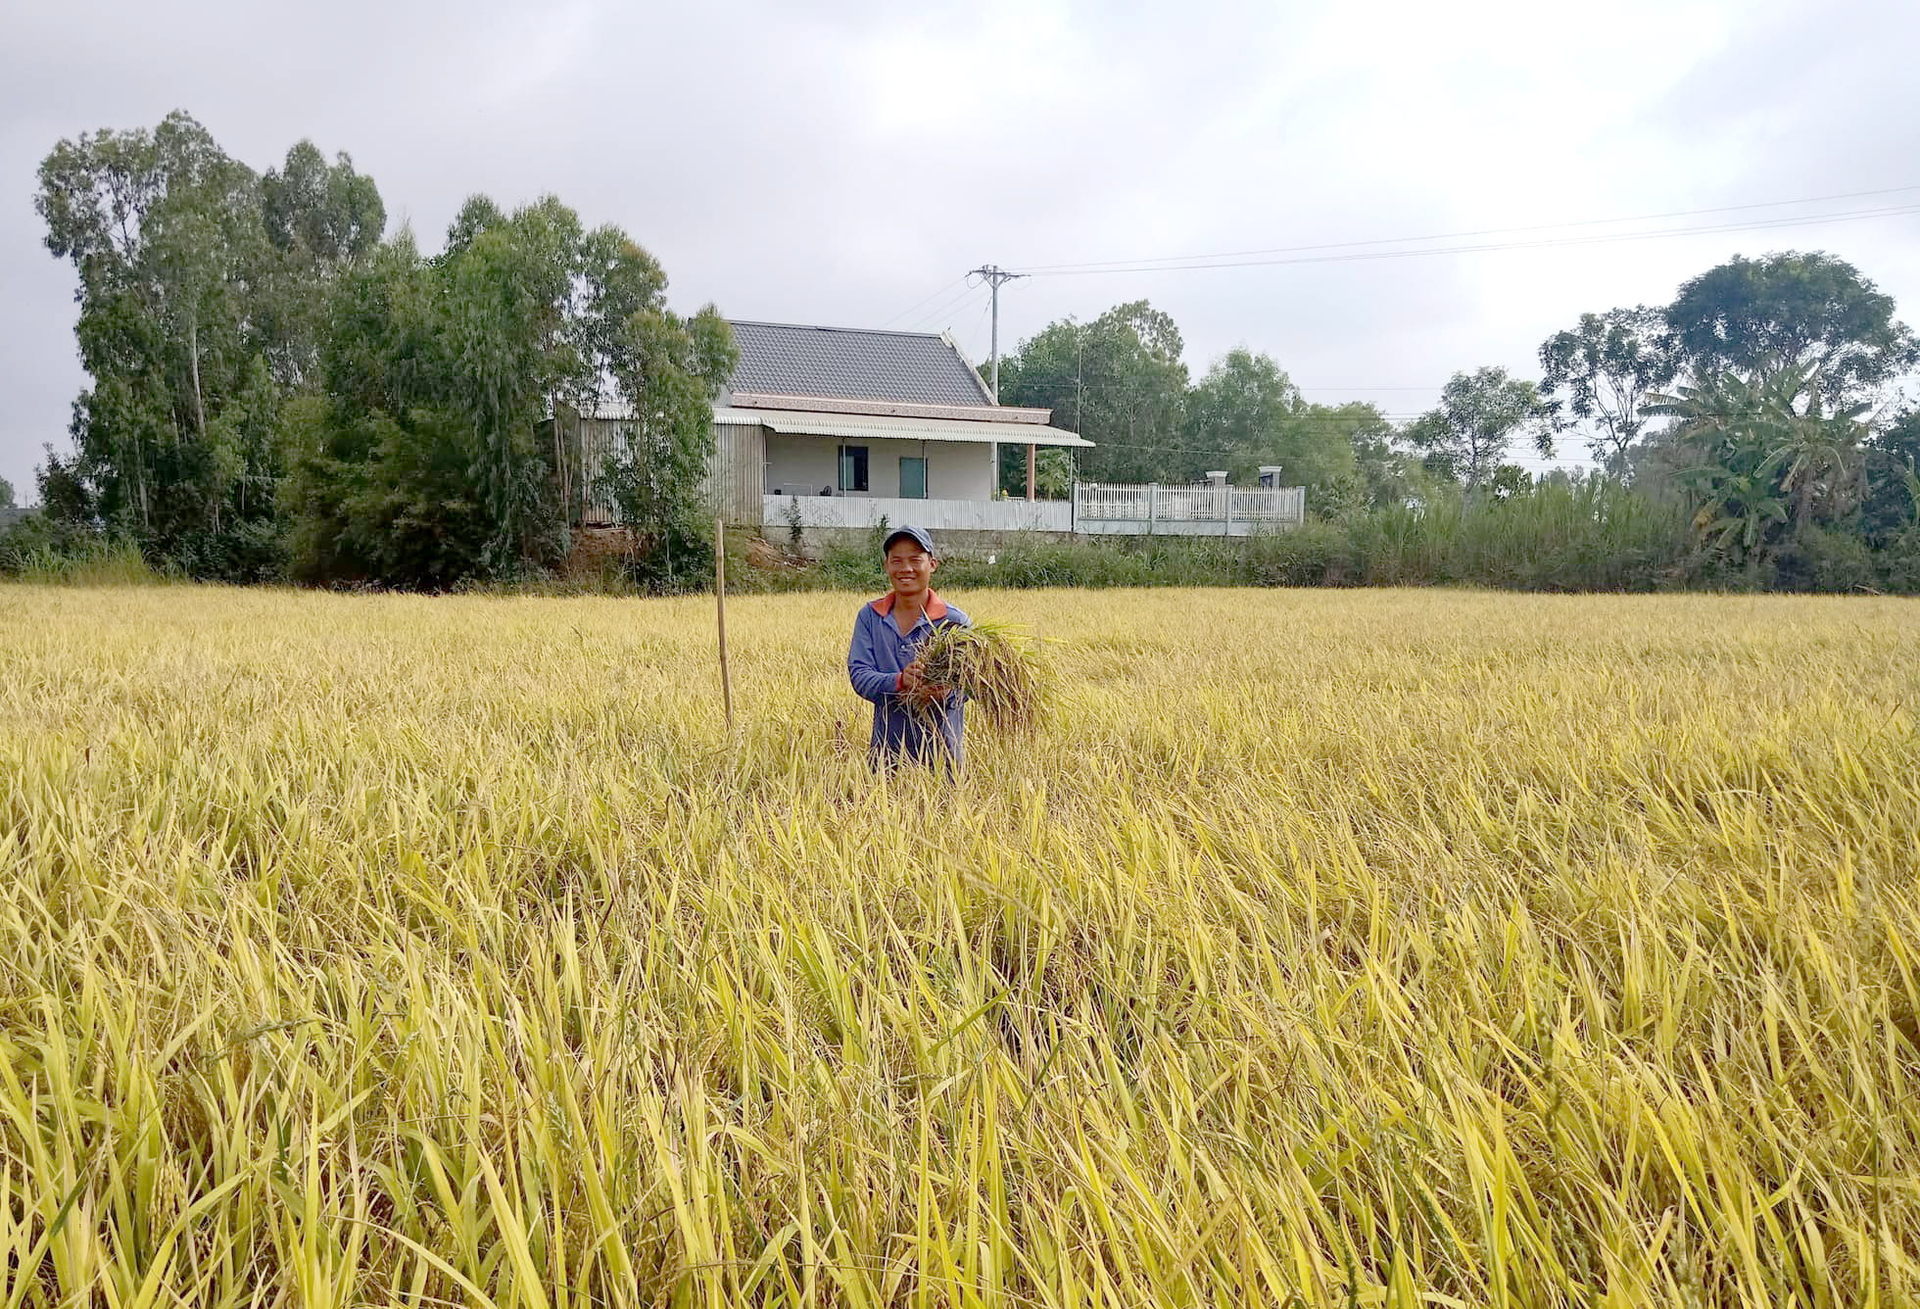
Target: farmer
[[883, 661]]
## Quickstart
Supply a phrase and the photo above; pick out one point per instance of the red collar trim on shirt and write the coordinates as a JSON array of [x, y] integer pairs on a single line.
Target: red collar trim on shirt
[[936, 607]]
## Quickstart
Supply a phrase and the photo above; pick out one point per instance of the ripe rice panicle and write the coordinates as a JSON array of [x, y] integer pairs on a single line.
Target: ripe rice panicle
[[997, 666], [1433, 948]]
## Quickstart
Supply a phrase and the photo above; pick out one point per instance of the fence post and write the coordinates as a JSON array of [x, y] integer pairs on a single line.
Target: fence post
[[1073, 512], [1228, 529], [1153, 506]]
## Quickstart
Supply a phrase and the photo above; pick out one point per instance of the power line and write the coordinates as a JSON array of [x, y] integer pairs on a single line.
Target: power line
[[945, 307], [1605, 239], [1484, 231], [1358, 251], [916, 304], [946, 310], [985, 309]]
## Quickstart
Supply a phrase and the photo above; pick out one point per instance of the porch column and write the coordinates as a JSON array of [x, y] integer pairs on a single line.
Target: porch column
[[1031, 447]]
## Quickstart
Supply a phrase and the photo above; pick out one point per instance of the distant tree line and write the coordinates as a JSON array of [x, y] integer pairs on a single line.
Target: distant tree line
[[1758, 409], [280, 390]]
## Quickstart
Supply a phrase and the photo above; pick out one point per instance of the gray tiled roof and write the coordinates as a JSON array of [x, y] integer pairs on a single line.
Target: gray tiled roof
[[854, 364]]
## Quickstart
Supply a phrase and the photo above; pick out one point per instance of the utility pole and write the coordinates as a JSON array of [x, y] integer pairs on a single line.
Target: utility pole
[[996, 276]]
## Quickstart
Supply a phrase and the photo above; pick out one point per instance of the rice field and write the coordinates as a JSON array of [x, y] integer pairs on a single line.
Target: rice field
[[1320, 948]]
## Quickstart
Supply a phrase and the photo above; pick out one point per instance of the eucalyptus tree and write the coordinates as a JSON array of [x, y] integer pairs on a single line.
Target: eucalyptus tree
[[1117, 380], [428, 460], [667, 369], [1602, 371], [1246, 412], [193, 326], [1480, 415], [320, 219]]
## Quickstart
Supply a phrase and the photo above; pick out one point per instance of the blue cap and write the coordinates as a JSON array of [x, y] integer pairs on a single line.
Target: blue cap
[[919, 534]]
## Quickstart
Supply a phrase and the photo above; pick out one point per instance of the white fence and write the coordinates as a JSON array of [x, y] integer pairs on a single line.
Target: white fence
[[1186, 510], [1095, 509], [935, 515]]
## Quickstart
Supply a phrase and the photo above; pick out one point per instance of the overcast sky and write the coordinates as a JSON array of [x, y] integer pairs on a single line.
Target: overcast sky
[[846, 163]]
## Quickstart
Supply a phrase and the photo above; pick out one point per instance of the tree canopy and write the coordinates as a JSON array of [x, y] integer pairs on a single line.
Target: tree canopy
[[1479, 416], [1602, 370], [275, 388], [1246, 413], [1118, 381], [1790, 310], [193, 325], [433, 454]]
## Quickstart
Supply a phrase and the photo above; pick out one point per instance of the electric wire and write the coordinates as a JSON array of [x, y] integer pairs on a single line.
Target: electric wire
[[1122, 264], [917, 303], [948, 309], [1603, 239], [1360, 251]]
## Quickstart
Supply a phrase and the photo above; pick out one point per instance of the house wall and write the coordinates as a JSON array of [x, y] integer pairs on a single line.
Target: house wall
[[732, 485], [956, 470], [734, 476], [801, 465], [750, 463], [596, 439]]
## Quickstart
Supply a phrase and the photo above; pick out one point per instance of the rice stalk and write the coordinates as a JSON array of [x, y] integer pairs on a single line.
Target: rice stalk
[[995, 666], [1384, 948]]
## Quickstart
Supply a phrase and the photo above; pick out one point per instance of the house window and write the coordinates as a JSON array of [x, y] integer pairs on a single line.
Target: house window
[[913, 477], [853, 468]]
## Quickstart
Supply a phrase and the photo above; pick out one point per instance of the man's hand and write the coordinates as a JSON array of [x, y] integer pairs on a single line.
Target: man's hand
[[915, 687]]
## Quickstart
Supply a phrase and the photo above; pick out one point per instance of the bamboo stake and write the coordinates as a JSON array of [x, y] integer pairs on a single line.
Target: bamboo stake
[[720, 594]]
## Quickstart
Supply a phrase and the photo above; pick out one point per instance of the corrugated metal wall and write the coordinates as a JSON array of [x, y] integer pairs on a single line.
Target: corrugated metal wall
[[596, 442], [732, 486], [735, 477]]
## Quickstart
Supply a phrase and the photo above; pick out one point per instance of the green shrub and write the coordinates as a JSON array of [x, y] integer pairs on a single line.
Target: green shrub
[[37, 549], [1900, 564], [1593, 535], [1821, 559], [1312, 554], [852, 566]]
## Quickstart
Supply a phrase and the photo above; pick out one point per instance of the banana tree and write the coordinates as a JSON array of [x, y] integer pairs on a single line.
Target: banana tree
[[1824, 469], [1763, 458], [1740, 500], [1740, 432]]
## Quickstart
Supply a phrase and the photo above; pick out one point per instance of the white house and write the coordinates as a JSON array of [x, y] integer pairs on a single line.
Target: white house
[[841, 426]]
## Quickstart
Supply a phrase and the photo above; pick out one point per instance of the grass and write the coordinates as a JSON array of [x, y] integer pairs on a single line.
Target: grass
[[1343, 948], [1597, 536], [93, 563]]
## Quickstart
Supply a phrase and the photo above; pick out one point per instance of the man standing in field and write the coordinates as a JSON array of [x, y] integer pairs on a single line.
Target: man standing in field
[[883, 661]]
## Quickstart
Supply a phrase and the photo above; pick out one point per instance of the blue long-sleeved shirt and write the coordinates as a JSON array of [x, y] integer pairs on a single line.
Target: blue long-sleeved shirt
[[875, 659]]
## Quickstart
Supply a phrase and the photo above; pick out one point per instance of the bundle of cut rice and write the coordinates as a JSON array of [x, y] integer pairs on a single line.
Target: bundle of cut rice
[[998, 667]]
